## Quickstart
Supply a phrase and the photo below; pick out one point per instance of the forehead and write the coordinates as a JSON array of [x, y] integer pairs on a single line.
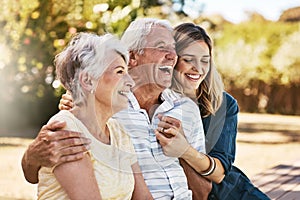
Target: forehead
[[115, 59], [159, 34], [195, 48]]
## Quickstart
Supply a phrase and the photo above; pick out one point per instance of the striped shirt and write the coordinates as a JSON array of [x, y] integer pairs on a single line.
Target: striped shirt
[[163, 175]]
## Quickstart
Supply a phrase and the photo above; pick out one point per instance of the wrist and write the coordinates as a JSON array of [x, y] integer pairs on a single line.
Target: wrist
[[189, 153], [29, 159], [211, 168]]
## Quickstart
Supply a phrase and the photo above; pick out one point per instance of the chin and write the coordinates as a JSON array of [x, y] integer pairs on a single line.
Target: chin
[[165, 84]]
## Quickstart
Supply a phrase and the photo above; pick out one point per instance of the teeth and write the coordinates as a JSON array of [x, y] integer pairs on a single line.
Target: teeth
[[166, 67], [193, 76], [123, 92]]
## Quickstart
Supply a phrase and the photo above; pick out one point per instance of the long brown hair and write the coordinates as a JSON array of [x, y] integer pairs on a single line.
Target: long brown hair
[[210, 91]]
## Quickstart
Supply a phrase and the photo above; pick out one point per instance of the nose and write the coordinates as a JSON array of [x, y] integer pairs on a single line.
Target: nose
[[129, 81], [198, 68], [171, 54]]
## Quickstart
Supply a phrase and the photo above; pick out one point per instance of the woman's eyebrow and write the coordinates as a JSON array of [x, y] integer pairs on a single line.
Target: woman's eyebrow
[[119, 66]]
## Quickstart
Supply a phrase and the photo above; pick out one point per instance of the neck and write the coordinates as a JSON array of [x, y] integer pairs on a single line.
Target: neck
[[95, 119], [147, 96]]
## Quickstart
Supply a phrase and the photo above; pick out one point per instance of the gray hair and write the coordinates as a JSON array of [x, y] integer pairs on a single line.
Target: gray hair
[[134, 36], [88, 53]]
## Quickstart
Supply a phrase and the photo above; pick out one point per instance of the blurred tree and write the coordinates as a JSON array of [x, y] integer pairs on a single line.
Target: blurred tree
[[32, 32], [291, 15], [261, 58]]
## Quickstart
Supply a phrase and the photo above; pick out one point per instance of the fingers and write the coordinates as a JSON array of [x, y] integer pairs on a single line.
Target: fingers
[[65, 134], [55, 125], [73, 157], [163, 140], [170, 120], [72, 150], [65, 103], [73, 141], [168, 126], [164, 125], [61, 106], [64, 150]]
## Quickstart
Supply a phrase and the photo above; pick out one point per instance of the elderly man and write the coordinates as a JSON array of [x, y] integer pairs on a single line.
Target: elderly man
[[152, 59]]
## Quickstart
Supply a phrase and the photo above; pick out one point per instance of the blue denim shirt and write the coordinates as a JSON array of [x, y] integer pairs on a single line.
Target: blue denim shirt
[[235, 184]]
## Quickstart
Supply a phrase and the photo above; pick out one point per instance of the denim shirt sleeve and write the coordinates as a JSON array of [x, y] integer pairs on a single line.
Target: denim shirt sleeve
[[225, 147]]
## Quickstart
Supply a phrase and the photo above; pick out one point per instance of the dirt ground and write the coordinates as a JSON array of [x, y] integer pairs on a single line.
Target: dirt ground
[[263, 141]]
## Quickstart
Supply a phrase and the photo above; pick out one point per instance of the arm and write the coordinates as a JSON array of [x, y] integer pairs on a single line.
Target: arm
[[51, 147], [223, 152], [178, 146], [78, 179], [201, 163], [225, 147], [141, 190]]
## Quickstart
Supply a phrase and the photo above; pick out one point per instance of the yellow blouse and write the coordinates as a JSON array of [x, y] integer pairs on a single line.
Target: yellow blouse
[[112, 163]]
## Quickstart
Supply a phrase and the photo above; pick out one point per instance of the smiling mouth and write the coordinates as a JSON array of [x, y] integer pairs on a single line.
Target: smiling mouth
[[124, 93], [167, 69], [193, 77]]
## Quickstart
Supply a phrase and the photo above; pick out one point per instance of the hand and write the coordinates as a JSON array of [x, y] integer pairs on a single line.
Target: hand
[[171, 137], [66, 102], [168, 122], [53, 146]]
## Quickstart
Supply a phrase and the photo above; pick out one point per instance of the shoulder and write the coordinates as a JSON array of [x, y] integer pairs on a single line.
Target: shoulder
[[117, 130], [63, 115], [231, 103], [178, 98]]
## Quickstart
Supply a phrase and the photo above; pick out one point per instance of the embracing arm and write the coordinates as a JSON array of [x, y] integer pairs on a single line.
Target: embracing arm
[[141, 190], [51, 147], [78, 179]]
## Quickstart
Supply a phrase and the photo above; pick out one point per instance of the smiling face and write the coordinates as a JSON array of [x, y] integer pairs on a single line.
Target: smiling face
[[192, 67], [114, 85], [155, 65]]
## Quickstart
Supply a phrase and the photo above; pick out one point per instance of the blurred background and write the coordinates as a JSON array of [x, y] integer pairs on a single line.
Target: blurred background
[[256, 50]]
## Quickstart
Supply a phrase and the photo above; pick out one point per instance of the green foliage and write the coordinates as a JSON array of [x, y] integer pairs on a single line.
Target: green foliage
[[263, 51], [32, 32]]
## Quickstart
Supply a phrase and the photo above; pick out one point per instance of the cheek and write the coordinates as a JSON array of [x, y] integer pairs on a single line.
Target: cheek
[[180, 67], [107, 87]]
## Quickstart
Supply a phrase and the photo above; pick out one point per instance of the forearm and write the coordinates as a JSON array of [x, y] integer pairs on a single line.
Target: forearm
[[141, 190], [30, 169], [201, 163]]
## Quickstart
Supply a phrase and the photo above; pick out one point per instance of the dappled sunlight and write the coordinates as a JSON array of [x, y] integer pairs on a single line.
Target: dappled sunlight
[[5, 56]]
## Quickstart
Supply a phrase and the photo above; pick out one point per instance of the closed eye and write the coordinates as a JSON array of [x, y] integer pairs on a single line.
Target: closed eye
[[188, 60], [205, 61]]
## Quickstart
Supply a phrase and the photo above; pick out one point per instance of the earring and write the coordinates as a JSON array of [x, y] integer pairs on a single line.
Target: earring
[[92, 91]]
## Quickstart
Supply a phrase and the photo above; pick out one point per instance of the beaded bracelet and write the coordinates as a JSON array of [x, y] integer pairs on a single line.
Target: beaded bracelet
[[212, 167]]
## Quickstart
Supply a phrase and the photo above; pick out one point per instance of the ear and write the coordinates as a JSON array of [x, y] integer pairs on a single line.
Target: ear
[[133, 56], [86, 81]]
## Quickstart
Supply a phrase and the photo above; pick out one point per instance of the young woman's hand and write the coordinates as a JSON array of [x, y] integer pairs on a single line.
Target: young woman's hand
[[171, 137]]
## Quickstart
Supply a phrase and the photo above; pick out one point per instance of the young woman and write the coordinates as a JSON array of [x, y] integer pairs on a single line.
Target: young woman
[[93, 68], [196, 76]]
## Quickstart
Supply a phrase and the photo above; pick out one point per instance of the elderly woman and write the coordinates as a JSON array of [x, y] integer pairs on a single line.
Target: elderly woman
[[93, 68]]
